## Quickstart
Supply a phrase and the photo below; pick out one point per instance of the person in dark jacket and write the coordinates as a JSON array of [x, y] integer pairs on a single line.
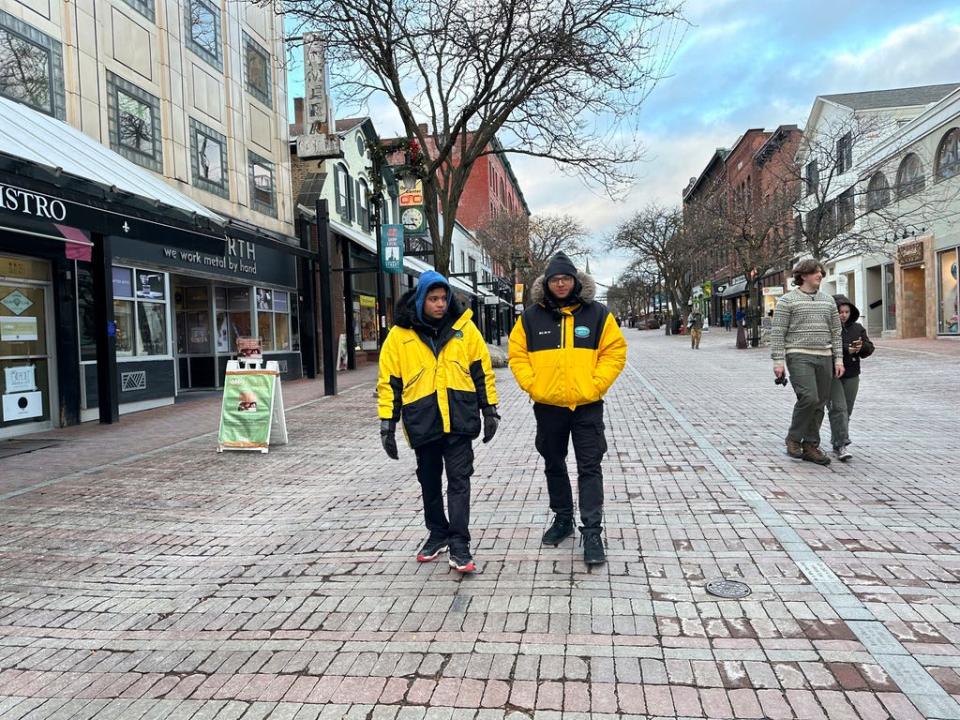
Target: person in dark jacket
[[566, 350], [435, 375], [843, 393]]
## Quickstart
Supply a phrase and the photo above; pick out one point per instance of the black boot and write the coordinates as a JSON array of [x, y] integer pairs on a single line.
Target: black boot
[[561, 529], [592, 540]]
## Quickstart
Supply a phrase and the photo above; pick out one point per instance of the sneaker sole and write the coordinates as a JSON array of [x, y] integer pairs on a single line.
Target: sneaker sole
[[470, 567], [428, 558]]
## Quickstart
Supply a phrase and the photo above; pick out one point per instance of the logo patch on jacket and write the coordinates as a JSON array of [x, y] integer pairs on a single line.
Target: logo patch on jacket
[[581, 331], [458, 333]]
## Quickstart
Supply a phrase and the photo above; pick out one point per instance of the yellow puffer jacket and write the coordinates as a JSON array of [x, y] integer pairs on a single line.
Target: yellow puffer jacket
[[568, 356], [434, 392]]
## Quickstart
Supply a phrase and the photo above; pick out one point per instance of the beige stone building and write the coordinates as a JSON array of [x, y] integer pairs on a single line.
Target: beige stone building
[[193, 90]]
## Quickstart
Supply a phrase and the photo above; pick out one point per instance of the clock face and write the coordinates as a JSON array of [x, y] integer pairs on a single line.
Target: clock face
[[412, 218]]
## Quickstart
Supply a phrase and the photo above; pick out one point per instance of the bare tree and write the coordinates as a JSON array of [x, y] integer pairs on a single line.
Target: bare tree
[[751, 226], [655, 237], [556, 79], [525, 244], [633, 293]]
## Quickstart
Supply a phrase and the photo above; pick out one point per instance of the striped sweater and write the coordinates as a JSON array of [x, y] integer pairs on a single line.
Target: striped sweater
[[804, 323]]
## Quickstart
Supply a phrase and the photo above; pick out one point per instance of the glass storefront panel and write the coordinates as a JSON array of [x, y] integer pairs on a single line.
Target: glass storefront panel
[[24, 362], [123, 317], [948, 292], [282, 332], [265, 330], [889, 298], [152, 335]]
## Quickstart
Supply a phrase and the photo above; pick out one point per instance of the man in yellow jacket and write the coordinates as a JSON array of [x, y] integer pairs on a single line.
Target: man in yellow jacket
[[565, 351], [435, 375]]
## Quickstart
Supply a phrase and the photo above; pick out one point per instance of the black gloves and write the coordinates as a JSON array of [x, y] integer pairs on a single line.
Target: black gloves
[[388, 438], [491, 421]]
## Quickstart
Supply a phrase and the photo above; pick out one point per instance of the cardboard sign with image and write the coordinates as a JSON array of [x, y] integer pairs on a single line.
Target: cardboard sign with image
[[252, 414]]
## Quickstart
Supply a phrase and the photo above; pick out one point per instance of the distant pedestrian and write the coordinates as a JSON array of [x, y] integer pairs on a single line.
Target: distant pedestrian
[[740, 317], [695, 324], [806, 337], [843, 395], [565, 352], [435, 373], [727, 321]]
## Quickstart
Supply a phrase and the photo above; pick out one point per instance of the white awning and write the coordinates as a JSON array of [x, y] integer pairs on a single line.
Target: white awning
[[49, 143]]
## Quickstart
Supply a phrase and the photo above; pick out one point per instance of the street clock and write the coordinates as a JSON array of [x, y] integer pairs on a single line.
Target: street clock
[[413, 219]]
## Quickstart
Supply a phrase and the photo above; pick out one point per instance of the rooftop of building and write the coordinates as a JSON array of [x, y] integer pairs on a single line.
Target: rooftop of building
[[896, 97]]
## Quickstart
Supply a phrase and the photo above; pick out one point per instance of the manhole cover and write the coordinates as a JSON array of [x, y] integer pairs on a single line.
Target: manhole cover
[[730, 589]]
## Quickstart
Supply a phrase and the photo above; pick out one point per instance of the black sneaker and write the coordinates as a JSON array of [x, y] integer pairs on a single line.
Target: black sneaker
[[431, 548], [593, 553], [462, 562], [561, 529]]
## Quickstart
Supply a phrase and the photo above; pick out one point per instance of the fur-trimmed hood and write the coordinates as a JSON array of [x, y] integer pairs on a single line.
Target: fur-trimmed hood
[[587, 288], [405, 314]]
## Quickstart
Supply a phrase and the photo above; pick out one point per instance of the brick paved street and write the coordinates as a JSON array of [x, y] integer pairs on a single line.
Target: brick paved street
[[181, 583]]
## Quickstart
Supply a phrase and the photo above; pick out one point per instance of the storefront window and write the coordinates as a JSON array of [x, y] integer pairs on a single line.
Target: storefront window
[[139, 311], [273, 319], [949, 320], [193, 320], [238, 304], [889, 298], [85, 316]]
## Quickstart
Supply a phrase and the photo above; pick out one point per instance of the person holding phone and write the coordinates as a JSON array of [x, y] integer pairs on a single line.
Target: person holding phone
[[843, 393]]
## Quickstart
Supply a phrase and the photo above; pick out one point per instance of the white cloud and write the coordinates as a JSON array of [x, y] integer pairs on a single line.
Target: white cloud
[[926, 52]]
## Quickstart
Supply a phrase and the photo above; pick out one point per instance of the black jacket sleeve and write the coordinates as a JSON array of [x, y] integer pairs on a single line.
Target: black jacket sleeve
[[868, 347]]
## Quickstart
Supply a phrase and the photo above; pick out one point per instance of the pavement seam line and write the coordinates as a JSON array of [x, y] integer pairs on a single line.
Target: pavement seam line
[[914, 681], [150, 453]]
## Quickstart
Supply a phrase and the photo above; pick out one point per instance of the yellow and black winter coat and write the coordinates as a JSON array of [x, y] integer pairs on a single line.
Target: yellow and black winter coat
[[436, 379], [567, 356]]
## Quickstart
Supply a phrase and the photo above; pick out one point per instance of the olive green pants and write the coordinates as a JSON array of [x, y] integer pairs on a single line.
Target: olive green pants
[[843, 395], [811, 377]]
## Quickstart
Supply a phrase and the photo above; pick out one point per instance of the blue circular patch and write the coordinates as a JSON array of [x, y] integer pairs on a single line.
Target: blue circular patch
[[458, 334], [581, 331]]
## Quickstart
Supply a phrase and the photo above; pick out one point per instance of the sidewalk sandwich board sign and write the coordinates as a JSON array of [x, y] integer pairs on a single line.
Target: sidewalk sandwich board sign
[[252, 413]]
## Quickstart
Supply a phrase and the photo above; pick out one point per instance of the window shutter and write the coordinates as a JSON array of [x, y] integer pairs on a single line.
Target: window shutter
[[338, 197], [348, 210], [358, 206]]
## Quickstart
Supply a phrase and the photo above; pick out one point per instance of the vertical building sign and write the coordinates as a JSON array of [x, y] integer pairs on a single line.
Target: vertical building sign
[[319, 136], [391, 236]]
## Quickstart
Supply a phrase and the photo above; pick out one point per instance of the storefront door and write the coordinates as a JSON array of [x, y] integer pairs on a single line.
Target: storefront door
[[27, 362]]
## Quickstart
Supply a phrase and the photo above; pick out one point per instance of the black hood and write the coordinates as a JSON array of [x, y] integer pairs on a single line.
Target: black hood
[[854, 311], [405, 314]]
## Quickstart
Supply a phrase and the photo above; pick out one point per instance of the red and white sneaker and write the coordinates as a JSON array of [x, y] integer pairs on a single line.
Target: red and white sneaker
[[462, 562], [431, 549]]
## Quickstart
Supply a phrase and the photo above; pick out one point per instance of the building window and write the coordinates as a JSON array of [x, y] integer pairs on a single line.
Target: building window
[[878, 192], [273, 319], [144, 7], [948, 155], [134, 123], [846, 211], [812, 177], [263, 195], [140, 311], [910, 178], [844, 153], [949, 292], [208, 159], [257, 64], [203, 31], [31, 67], [343, 187]]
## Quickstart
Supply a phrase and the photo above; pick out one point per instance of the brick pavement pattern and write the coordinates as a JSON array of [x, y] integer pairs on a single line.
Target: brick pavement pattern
[[144, 576]]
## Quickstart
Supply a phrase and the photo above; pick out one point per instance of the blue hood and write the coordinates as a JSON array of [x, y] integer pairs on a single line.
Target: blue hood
[[429, 279]]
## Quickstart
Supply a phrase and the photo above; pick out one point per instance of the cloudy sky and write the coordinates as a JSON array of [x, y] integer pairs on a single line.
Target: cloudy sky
[[744, 64]]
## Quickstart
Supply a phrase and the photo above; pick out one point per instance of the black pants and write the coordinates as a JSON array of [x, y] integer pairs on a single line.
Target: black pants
[[555, 426], [457, 452]]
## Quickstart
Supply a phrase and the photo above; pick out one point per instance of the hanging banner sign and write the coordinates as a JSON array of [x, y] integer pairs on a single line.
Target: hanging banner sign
[[391, 239], [518, 293], [252, 407]]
